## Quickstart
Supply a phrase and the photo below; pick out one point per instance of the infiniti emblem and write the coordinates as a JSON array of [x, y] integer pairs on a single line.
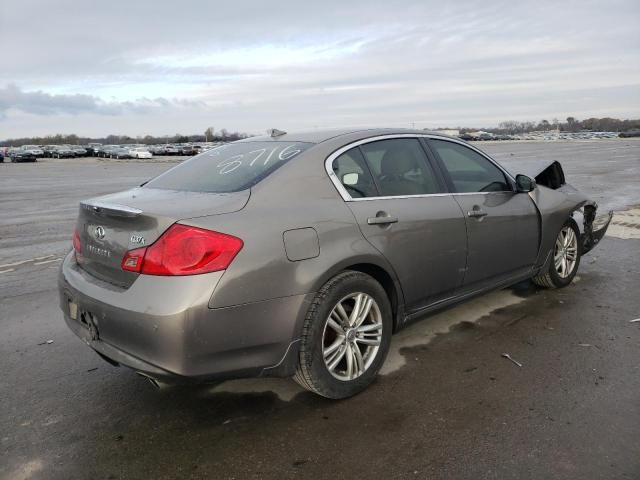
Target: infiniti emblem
[[100, 233]]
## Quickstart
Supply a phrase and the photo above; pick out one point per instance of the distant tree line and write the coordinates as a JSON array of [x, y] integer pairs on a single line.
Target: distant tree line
[[223, 135], [510, 127], [571, 124]]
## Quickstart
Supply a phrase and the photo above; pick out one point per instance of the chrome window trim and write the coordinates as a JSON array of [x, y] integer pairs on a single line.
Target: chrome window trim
[[328, 166]]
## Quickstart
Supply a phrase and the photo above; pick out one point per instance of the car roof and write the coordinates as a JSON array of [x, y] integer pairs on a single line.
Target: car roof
[[319, 136]]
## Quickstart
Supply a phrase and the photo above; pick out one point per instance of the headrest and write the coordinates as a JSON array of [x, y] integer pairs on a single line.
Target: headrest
[[398, 160]]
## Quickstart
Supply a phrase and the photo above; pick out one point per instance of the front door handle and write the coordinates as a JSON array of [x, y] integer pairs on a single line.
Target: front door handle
[[386, 220], [477, 213]]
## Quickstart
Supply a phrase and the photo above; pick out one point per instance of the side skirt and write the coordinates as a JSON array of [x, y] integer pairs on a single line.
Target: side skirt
[[451, 301]]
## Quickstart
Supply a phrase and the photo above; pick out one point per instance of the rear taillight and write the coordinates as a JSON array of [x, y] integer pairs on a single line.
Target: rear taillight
[[77, 245], [184, 250]]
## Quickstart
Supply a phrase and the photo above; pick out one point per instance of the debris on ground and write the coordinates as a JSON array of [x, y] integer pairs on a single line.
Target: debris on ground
[[585, 345], [48, 342], [635, 320], [508, 357]]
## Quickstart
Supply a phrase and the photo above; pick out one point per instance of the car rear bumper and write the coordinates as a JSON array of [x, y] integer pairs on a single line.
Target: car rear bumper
[[163, 327]]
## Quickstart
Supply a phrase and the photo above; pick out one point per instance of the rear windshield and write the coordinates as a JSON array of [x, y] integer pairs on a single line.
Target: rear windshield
[[229, 168]]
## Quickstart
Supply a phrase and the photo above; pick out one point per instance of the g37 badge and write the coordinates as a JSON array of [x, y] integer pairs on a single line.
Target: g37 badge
[[137, 239]]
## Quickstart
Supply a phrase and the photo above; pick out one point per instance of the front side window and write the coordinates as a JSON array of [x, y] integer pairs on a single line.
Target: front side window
[[229, 168], [354, 175], [469, 171], [400, 167]]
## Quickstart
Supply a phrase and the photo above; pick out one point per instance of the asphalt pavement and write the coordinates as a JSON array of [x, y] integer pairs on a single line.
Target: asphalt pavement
[[448, 404]]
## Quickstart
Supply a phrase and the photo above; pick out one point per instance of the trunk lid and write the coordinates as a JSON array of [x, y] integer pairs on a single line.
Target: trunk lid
[[111, 225]]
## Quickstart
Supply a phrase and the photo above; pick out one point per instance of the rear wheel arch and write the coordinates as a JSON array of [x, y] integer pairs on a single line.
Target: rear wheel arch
[[387, 282], [381, 273]]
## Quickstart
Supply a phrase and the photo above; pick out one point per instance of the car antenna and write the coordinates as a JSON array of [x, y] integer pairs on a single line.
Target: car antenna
[[274, 132]]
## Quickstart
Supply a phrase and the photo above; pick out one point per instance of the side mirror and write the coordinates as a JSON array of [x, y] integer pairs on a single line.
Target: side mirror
[[524, 184], [350, 179]]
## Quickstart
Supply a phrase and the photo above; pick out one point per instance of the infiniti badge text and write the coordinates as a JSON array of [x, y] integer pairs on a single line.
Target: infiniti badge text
[[101, 252]]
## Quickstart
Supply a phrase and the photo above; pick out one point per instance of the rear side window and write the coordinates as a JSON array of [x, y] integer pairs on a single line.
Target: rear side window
[[354, 174], [469, 171], [400, 167], [229, 168]]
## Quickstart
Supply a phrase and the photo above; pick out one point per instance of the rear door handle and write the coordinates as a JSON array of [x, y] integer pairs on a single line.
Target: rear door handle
[[381, 220], [477, 213]]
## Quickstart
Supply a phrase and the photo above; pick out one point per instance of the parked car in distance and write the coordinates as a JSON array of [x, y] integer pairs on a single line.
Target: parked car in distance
[[35, 150], [139, 152], [90, 152], [156, 149], [19, 155], [299, 255], [187, 150], [105, 151], [171, 150], [62, 151], [629, 134], [119, 152], [78, 151], [48, 150]]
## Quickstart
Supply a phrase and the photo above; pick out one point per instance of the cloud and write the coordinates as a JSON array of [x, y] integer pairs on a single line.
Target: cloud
[[332, 63], [42, 103]]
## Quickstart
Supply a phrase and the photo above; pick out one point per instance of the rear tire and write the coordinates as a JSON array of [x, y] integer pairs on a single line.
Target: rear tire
[[341, 353], [565, 258]]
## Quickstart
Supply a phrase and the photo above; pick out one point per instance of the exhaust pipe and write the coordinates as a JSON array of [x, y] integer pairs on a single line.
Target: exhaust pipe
[[154, 382], [151, 380]]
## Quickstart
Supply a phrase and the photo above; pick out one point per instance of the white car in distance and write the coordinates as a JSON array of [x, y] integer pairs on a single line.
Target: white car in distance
[[140, 152]]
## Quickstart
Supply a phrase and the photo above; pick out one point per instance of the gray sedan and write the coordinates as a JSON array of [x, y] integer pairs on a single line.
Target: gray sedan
[[300, 255]]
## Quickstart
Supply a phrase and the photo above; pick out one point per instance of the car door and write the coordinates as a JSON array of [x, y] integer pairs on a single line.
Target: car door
[[400, 204], [502, 225]]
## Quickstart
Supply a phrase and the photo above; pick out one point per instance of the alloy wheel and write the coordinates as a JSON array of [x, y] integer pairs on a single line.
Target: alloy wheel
[[565, 253], [352, 336]]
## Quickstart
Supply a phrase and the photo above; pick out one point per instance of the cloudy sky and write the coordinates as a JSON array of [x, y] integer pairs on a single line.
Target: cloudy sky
[[162, 67]]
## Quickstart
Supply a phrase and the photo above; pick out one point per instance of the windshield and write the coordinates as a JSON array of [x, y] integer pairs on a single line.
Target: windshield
[[229, 168]]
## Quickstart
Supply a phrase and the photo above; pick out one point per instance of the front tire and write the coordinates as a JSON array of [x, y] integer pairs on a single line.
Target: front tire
[[565, 259], [346, 336]]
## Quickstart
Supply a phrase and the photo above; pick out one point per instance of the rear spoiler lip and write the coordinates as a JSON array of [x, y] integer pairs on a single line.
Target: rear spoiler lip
[[113, 209]]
